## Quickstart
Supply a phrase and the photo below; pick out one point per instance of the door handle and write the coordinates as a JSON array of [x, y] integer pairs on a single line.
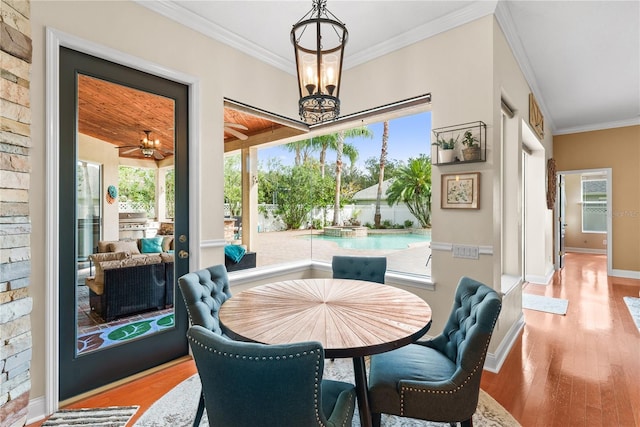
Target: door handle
[[183, 254]]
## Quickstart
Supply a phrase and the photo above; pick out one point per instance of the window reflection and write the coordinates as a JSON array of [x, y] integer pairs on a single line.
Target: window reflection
[[125, 209]]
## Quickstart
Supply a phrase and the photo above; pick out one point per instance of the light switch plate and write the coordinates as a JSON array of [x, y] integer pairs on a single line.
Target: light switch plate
[[466, 251]]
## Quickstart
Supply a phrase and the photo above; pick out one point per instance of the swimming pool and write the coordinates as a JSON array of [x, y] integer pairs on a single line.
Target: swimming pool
[[375, 241]]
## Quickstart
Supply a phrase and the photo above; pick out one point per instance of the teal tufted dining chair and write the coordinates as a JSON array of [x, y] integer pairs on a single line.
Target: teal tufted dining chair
[[204, 291], [369, 268], [257, 385], [439, 380]]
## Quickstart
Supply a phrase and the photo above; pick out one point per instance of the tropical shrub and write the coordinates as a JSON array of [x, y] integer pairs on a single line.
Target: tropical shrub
[[412, 186]]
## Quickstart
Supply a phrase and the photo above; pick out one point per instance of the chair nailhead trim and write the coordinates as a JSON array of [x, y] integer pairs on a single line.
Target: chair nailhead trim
[[455, 390], [317, 353]]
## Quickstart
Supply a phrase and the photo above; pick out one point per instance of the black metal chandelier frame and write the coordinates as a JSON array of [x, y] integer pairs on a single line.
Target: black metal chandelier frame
[[319, 62]]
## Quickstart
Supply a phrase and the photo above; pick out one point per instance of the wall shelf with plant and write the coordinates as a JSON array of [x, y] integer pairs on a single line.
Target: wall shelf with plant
[[463, 143]]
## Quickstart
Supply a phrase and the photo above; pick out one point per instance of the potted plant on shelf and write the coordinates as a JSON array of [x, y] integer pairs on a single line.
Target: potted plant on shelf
[[446, 148], [472, 150]]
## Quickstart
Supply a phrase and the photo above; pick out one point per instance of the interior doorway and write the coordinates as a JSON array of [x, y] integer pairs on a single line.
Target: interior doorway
[[584, 220], [537, 262]]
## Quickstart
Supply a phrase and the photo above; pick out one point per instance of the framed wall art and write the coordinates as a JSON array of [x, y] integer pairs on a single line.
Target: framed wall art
[[461, 191], [536, 119]]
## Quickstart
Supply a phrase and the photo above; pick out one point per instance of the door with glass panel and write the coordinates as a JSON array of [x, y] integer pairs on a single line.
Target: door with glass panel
[[123, 217]]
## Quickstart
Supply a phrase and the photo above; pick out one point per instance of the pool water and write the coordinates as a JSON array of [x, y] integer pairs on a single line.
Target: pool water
[[375, 241]]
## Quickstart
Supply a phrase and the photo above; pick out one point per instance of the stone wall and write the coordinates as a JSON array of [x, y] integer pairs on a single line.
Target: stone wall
[[15, 225]]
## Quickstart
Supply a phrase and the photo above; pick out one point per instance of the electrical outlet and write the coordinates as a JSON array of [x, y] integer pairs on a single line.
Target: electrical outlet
[[465, 251]]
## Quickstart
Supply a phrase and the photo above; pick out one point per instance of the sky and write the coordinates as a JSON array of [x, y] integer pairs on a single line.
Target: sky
[[409, 136]]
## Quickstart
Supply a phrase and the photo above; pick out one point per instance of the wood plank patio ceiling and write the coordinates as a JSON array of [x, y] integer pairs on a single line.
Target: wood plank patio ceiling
[[119, 115]]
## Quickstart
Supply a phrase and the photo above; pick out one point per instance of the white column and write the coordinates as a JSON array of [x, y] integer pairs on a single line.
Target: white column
[[249, 196]]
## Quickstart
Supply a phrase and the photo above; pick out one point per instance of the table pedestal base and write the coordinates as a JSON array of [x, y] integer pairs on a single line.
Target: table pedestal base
[[360, 375]]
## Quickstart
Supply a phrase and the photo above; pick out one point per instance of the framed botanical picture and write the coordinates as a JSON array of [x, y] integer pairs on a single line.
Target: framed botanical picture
[[461, 191]]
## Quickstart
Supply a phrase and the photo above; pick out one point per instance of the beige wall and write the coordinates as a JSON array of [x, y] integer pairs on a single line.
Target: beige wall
[[618, 149]]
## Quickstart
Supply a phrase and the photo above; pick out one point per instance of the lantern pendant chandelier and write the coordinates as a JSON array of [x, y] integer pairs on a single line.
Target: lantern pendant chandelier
[[318, 39]]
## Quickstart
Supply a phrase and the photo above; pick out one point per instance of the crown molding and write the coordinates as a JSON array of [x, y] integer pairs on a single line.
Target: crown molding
[[503, 16], [599, 126], [452, 20], [175, 12]]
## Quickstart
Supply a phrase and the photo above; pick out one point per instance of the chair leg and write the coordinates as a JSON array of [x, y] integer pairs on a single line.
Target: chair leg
[[376, 419], [199, 411], [466, 423]]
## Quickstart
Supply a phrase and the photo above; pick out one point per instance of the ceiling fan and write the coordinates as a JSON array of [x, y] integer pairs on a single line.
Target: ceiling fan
[[149, 147], [231, 128]]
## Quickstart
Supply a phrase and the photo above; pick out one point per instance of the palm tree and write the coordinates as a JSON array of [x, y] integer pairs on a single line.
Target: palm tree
[[412, 186], [336, 202], [352, 153], [383, 161], [328, 142], [301, 149], [323, 143], [341, 148]]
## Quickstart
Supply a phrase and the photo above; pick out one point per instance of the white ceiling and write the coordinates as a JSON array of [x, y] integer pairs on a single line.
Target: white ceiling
[[581, 58]]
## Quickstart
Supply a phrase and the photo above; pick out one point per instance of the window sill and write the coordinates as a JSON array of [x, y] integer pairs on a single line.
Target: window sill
[[275, 272]]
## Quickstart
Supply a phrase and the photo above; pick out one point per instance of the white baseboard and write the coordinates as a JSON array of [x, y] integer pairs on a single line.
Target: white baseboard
[[629, 274], [36, 410], [538, 280], [586, 250], [494, 361], [541, 280]]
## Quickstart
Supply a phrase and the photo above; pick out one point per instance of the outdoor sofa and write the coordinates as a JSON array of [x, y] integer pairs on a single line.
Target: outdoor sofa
[[131, 277]]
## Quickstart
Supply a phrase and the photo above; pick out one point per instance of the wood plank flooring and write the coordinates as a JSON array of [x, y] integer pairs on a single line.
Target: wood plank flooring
[[582, 369]]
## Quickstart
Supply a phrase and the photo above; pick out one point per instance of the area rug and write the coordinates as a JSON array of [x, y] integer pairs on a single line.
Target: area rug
[[117, 334], [178, 407], [546, 304], [113, 416], [633, 304]]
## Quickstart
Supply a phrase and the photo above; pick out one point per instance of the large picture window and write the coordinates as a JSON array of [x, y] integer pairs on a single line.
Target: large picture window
[[359, 191], [594, 205]]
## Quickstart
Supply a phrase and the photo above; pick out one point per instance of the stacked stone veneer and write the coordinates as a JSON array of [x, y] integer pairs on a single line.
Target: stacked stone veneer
[[15, 225]]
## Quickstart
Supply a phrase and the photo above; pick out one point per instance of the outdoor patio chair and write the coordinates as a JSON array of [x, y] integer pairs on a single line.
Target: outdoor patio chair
[[257, 385], [439, 380], [204, 291]]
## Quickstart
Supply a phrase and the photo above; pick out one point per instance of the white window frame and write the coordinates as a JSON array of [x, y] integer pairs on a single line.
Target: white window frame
[[586, 203]]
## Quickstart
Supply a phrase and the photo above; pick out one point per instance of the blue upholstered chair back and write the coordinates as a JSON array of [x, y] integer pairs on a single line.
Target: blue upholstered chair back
[[371, 269], [257, 385], [204, 291], [467, 333]]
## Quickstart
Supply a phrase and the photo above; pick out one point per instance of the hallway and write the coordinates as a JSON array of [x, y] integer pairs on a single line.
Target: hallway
[[581, 369]]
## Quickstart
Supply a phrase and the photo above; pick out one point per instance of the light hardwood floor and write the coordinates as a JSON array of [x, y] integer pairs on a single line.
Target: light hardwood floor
[[582, 369]]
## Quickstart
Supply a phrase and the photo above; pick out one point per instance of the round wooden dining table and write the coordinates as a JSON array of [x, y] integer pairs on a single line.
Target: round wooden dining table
[[350, 318]]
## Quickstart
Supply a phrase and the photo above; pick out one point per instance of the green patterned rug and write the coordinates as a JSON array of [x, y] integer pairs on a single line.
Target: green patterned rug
[[117, 334]]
